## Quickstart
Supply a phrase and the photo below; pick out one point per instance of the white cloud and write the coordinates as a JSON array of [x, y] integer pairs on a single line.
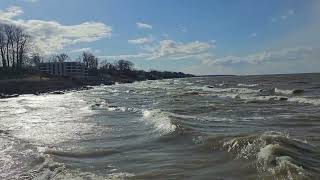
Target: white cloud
[[291, 12], [184, 29], [126, 56], [31, 1], [81, 50], [51, 36], [285, 54], [169, 49], [178, 50], [165, 36], [284, 16], [285, 60], [10, 12], [253, 35], [143, 40], [141, 25]]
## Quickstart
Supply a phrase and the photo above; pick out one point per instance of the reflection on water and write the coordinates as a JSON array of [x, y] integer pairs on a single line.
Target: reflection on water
[[247, 127]]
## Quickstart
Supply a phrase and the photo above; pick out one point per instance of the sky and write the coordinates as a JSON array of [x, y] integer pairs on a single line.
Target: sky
[[238, 37]]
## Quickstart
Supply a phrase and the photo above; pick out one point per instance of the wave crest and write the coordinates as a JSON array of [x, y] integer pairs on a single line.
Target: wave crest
[[160, 120], [276, 154]]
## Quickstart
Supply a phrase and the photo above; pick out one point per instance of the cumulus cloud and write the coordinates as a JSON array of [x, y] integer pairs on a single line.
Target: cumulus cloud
[[51, 36], [143, 40], [141, 25]]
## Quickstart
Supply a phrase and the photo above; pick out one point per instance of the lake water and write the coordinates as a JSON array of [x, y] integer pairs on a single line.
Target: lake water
[[236, 127]]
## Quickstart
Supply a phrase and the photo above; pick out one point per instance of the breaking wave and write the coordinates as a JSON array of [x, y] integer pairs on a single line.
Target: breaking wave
[[256, 95], [276, 154], [160, 120]]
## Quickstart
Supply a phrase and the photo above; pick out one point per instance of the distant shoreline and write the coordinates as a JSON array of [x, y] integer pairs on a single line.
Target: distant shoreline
[[218, 75]]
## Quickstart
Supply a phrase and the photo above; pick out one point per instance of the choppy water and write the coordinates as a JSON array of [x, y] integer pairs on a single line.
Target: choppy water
[[194, 128]]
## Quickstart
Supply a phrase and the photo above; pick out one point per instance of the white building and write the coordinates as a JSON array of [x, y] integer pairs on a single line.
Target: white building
[[73, 69]]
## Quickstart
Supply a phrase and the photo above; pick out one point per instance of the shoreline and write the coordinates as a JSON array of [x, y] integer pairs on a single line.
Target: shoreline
[[10, 88], [15, 87]]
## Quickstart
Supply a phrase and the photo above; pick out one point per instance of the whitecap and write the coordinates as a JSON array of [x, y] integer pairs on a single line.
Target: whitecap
[[115, 108], [273, 153], [281, 91], [120, 175], [159, 119], [247, 85], [305, 100]]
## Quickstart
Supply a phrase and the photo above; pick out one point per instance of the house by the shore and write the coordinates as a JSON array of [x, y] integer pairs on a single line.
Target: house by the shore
[[71, 69]]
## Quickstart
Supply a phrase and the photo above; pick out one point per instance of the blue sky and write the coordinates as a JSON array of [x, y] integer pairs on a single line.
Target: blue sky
[[200, 37]]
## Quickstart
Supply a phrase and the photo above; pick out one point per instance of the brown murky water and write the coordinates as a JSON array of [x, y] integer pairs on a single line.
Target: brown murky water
[[241, 127]]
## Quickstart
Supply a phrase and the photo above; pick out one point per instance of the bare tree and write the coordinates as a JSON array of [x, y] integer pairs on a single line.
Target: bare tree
[[59, 58], [124, 66], [90, 61], [62, 57], [35, 59], [2, 47], [14, 43], [8, 30]]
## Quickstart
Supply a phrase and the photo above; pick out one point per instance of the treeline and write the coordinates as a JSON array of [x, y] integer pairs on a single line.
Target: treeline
[[18, 56], [15, 44], [124, 71]]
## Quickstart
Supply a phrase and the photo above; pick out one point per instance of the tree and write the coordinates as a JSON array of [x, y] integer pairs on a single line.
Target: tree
[[59, 58], [90, 61], [35, 59], [62, 57], [124, 66], [14, 46], [2, 47]]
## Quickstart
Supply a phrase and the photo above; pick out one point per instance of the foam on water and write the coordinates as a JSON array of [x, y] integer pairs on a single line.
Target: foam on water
[[119, 176], [160, 120], [252, 95], [118, 109], [281, 91], [274, 152], [247, 85], [305, 100]]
